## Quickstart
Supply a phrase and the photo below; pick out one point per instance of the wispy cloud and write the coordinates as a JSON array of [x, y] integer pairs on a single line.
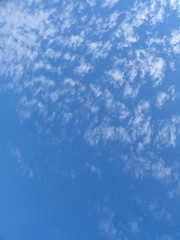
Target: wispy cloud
[[23, 167], [109, 3]]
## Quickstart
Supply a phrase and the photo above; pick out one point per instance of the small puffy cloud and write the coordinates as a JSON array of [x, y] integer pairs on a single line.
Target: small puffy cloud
[[75, 40], [160, 172], [54, 96], [68, 56], [99, 49], [172, 92], [161, 99], [152, 65], [175, 37], [167, 133], [92, 136], [113, 19], [107, 229], [156, 69], [158, 17], [140, 123], [25, 108], [94, 170], [117, 77], [109, 3], [130, 91], [83, 68], [134, 227], [175, 41], [92, 3], [126, 31], [96, 90], [129, 33], [174, 4], [94, 47], [70, 81], [31, 173]]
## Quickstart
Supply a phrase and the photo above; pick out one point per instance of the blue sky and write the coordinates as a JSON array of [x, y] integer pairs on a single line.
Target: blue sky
[[89, 120]]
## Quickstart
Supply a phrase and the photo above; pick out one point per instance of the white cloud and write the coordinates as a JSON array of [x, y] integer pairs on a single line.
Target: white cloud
[[158, 212], [174, 4], [118, 77], [83, 68], [107, 133], [109, 3], [172, 92], [156, 69], [175, 41], [167, 134], [126, 31], [152, 65], [140, 124], [161, 99], [107, 229], [26, 107], [160, 172], [130, 92], [75, 40], [142, 165], [66, 17], [158, 17], [99, 49], [23, 167], [96, 90], [92, 136], [70, 57], [54, 96], [70, 81], [113, 19], [92, 3], [22, 46], [94, 170], [134, 226]]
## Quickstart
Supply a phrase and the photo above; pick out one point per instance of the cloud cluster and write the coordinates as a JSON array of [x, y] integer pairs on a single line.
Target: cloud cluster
[[101, 71]]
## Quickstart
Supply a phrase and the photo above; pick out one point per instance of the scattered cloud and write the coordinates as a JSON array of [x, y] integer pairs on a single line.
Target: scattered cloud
[[161, 99], [98, 69], [94, 170], [83, 68], [109, 3], [107, 228], [23, 167]]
